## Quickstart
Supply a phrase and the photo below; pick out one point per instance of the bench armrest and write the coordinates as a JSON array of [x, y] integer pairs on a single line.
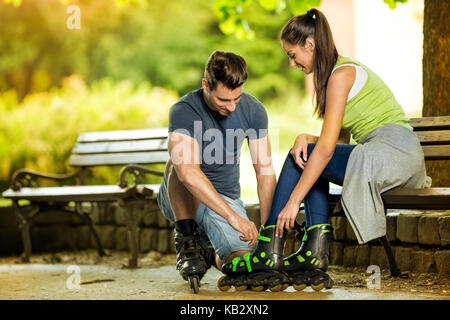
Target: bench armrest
[[25, 177], [138, 172]]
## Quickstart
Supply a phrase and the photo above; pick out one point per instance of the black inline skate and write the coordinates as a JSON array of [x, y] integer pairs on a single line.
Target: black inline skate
[[308, 266], [260, 270], [191, 253]]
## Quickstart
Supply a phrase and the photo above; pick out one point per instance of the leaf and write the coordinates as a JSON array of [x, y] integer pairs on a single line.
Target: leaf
[[269, 5], [393, 3], [302, 6]]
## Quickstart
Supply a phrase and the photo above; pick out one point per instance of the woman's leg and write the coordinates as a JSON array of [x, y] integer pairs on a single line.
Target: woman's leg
[[316, 201]]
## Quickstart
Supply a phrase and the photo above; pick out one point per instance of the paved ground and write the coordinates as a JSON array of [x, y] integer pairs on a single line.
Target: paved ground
[[54, 276]]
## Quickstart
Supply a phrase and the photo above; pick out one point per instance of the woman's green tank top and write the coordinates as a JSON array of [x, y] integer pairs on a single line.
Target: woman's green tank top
[[372, 107]]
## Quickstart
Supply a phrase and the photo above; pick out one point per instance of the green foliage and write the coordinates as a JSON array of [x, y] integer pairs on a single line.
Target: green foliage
[[393, 3], [41, 131], [232, 15]]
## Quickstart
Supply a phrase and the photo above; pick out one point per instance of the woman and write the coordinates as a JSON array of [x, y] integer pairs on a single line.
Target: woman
[[351, 99]]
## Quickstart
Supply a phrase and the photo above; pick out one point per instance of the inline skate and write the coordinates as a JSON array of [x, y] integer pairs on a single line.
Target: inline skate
[[260, 270], [308, 266]]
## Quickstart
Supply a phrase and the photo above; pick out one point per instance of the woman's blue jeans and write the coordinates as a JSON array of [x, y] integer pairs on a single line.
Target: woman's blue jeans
[[316, 201]]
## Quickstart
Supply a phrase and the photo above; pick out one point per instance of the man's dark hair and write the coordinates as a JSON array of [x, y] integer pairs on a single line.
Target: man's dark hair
[[227, 68]]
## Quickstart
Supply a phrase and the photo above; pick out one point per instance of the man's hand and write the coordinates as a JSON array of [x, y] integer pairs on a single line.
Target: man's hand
[[244, 226]]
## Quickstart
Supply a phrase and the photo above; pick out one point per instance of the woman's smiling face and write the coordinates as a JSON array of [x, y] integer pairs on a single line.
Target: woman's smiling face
[[301, 57]]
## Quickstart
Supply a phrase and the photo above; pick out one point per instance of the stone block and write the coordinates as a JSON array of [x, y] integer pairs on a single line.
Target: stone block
[[442, 259], [362, 256], [407, 227], [10, 241], [148, 239], [289, 246], [7, 218], [336, 253], [107, 235], [49, 238], [349, 256], [79, 237], [172, 241], [339, 227], [150, 217], [391, 227], [403, 258], [162, 221], [254, 213], [378, 257], [422, 261], [53, 216], [122, 238], [349, 233], [428, 230], [444, 230], [163, 240]]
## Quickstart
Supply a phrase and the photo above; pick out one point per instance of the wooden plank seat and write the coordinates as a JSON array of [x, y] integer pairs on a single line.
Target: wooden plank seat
[[129, 149], [434, 136]]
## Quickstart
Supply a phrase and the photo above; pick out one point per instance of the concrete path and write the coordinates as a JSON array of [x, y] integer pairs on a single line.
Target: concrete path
[[157, 279]]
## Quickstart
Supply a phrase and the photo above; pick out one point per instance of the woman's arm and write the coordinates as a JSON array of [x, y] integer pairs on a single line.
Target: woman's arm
[[339, 85]]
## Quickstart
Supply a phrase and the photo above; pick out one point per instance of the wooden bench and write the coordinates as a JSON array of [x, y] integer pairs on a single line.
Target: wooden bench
[[434, 136], [129, 149]]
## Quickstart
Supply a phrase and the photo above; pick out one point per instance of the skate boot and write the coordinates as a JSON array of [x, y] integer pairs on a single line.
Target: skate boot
[[190, 253], [260, 270], [308, 266]]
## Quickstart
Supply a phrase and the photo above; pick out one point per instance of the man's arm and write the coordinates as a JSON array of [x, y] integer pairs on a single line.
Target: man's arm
[[185, 156], [265, 174]]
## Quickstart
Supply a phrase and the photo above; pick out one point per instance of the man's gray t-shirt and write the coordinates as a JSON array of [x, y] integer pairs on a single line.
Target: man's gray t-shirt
[[220, 138]]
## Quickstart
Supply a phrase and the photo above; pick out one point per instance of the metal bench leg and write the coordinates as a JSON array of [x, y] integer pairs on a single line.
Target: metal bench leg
[[395, 272], [85, 216], [132, 217], [24, 221], [98, 244]]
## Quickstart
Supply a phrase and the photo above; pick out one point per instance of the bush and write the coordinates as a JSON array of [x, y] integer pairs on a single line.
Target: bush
[[40, 132]]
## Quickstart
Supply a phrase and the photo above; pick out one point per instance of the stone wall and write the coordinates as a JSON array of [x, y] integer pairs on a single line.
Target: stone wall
[[420, 239], [58, 230]]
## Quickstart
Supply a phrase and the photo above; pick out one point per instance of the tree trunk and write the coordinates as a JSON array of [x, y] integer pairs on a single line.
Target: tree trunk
[[436, 77]]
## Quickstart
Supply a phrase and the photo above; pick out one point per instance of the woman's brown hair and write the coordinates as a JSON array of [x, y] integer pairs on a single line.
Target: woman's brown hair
[[314, 24]]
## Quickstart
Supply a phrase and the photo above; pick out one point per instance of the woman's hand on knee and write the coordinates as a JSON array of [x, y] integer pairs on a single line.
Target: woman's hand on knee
[[300, 150]]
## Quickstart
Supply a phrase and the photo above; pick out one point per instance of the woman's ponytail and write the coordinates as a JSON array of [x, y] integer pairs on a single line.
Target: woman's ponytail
[[314, 24]]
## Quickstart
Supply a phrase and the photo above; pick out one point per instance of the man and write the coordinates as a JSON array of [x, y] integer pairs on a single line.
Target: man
[[201, 192]]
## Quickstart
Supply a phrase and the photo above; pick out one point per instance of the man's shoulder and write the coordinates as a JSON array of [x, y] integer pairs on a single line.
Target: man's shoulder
[[252, 105], [191, 98]]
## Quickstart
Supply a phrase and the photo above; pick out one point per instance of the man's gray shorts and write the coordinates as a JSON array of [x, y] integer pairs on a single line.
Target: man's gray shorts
[[213, 227]]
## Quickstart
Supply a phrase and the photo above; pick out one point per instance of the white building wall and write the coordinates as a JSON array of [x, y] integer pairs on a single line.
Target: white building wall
[[390, 42]]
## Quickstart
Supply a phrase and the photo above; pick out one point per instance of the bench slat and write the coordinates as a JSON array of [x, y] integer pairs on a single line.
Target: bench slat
[[433, 198], [89, 160], [71, 193], [120, 135], [434, 137], [404, 198], [436, 152], [427, 123], [120, 146]]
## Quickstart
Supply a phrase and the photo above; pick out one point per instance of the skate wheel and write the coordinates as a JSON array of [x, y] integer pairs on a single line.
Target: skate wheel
[[258, 288], [194, 283], [318, 287], [299, 287], [275, 288], [220, 286], [241, 288]]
